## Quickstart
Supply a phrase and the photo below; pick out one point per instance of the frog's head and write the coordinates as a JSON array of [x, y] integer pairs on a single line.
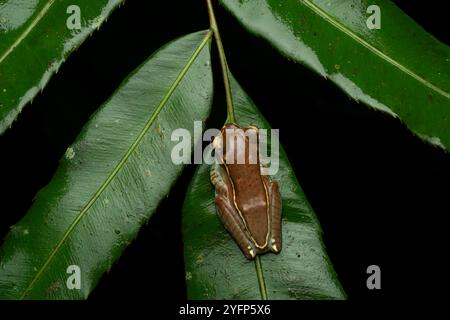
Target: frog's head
[[236, 145]]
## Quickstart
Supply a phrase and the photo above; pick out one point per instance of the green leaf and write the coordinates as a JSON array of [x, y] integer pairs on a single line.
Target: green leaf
[[398, 69], [113, 177], [217, 269], [35, 40]]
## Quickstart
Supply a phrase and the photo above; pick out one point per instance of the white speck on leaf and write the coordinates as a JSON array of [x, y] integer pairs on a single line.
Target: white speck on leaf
[[70, 154]]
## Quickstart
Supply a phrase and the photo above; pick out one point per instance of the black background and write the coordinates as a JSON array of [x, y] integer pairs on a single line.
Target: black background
[[381, 194]]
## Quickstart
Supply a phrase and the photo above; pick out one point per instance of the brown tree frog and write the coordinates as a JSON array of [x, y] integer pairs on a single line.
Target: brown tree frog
[[248, 203]]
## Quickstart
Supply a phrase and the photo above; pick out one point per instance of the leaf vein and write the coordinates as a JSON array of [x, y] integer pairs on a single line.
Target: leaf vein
[[121, 163], [370, 47], [27, 31]]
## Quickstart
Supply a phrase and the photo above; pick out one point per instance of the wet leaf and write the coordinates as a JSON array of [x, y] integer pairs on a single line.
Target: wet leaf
[[215, 266], [398, 69], [111, 179], [36, 37]]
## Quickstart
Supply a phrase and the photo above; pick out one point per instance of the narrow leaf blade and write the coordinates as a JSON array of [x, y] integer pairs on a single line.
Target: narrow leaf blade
[[217, 269], [34, 42], [111, 180], [399, 69]]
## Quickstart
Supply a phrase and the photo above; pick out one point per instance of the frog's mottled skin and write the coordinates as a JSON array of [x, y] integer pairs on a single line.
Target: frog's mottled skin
[[248, 204]]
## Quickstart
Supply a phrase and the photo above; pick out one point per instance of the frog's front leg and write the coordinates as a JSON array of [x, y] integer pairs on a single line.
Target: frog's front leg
[[232, 222], [275, 215]]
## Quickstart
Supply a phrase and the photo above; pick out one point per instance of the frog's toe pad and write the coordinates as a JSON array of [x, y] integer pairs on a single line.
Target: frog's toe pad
[[274, 246], [251, 252]]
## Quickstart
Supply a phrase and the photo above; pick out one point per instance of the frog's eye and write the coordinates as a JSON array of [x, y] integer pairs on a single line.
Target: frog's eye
[[217, 141]]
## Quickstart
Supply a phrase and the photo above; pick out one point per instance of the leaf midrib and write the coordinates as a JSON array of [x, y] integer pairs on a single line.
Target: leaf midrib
[[27, 31], [370, 47], [121, 163]]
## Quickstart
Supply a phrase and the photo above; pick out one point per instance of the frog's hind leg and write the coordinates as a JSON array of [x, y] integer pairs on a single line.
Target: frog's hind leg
[[275, 215], [235, 227]]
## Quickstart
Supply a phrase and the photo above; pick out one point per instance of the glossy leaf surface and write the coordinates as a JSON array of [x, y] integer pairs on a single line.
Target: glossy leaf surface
[[398, 69], [36, 37], [111, 179], [215, 266]]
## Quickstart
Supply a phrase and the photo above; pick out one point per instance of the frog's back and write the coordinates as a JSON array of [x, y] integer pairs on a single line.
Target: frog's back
[[251, 199]]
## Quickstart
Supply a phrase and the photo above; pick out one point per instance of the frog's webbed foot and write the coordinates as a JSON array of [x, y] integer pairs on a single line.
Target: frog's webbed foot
[[275, 216], [235, 227]]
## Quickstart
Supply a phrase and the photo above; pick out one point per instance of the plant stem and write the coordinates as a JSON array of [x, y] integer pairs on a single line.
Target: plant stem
[[231, 119], [223, 62], [260, 275]]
